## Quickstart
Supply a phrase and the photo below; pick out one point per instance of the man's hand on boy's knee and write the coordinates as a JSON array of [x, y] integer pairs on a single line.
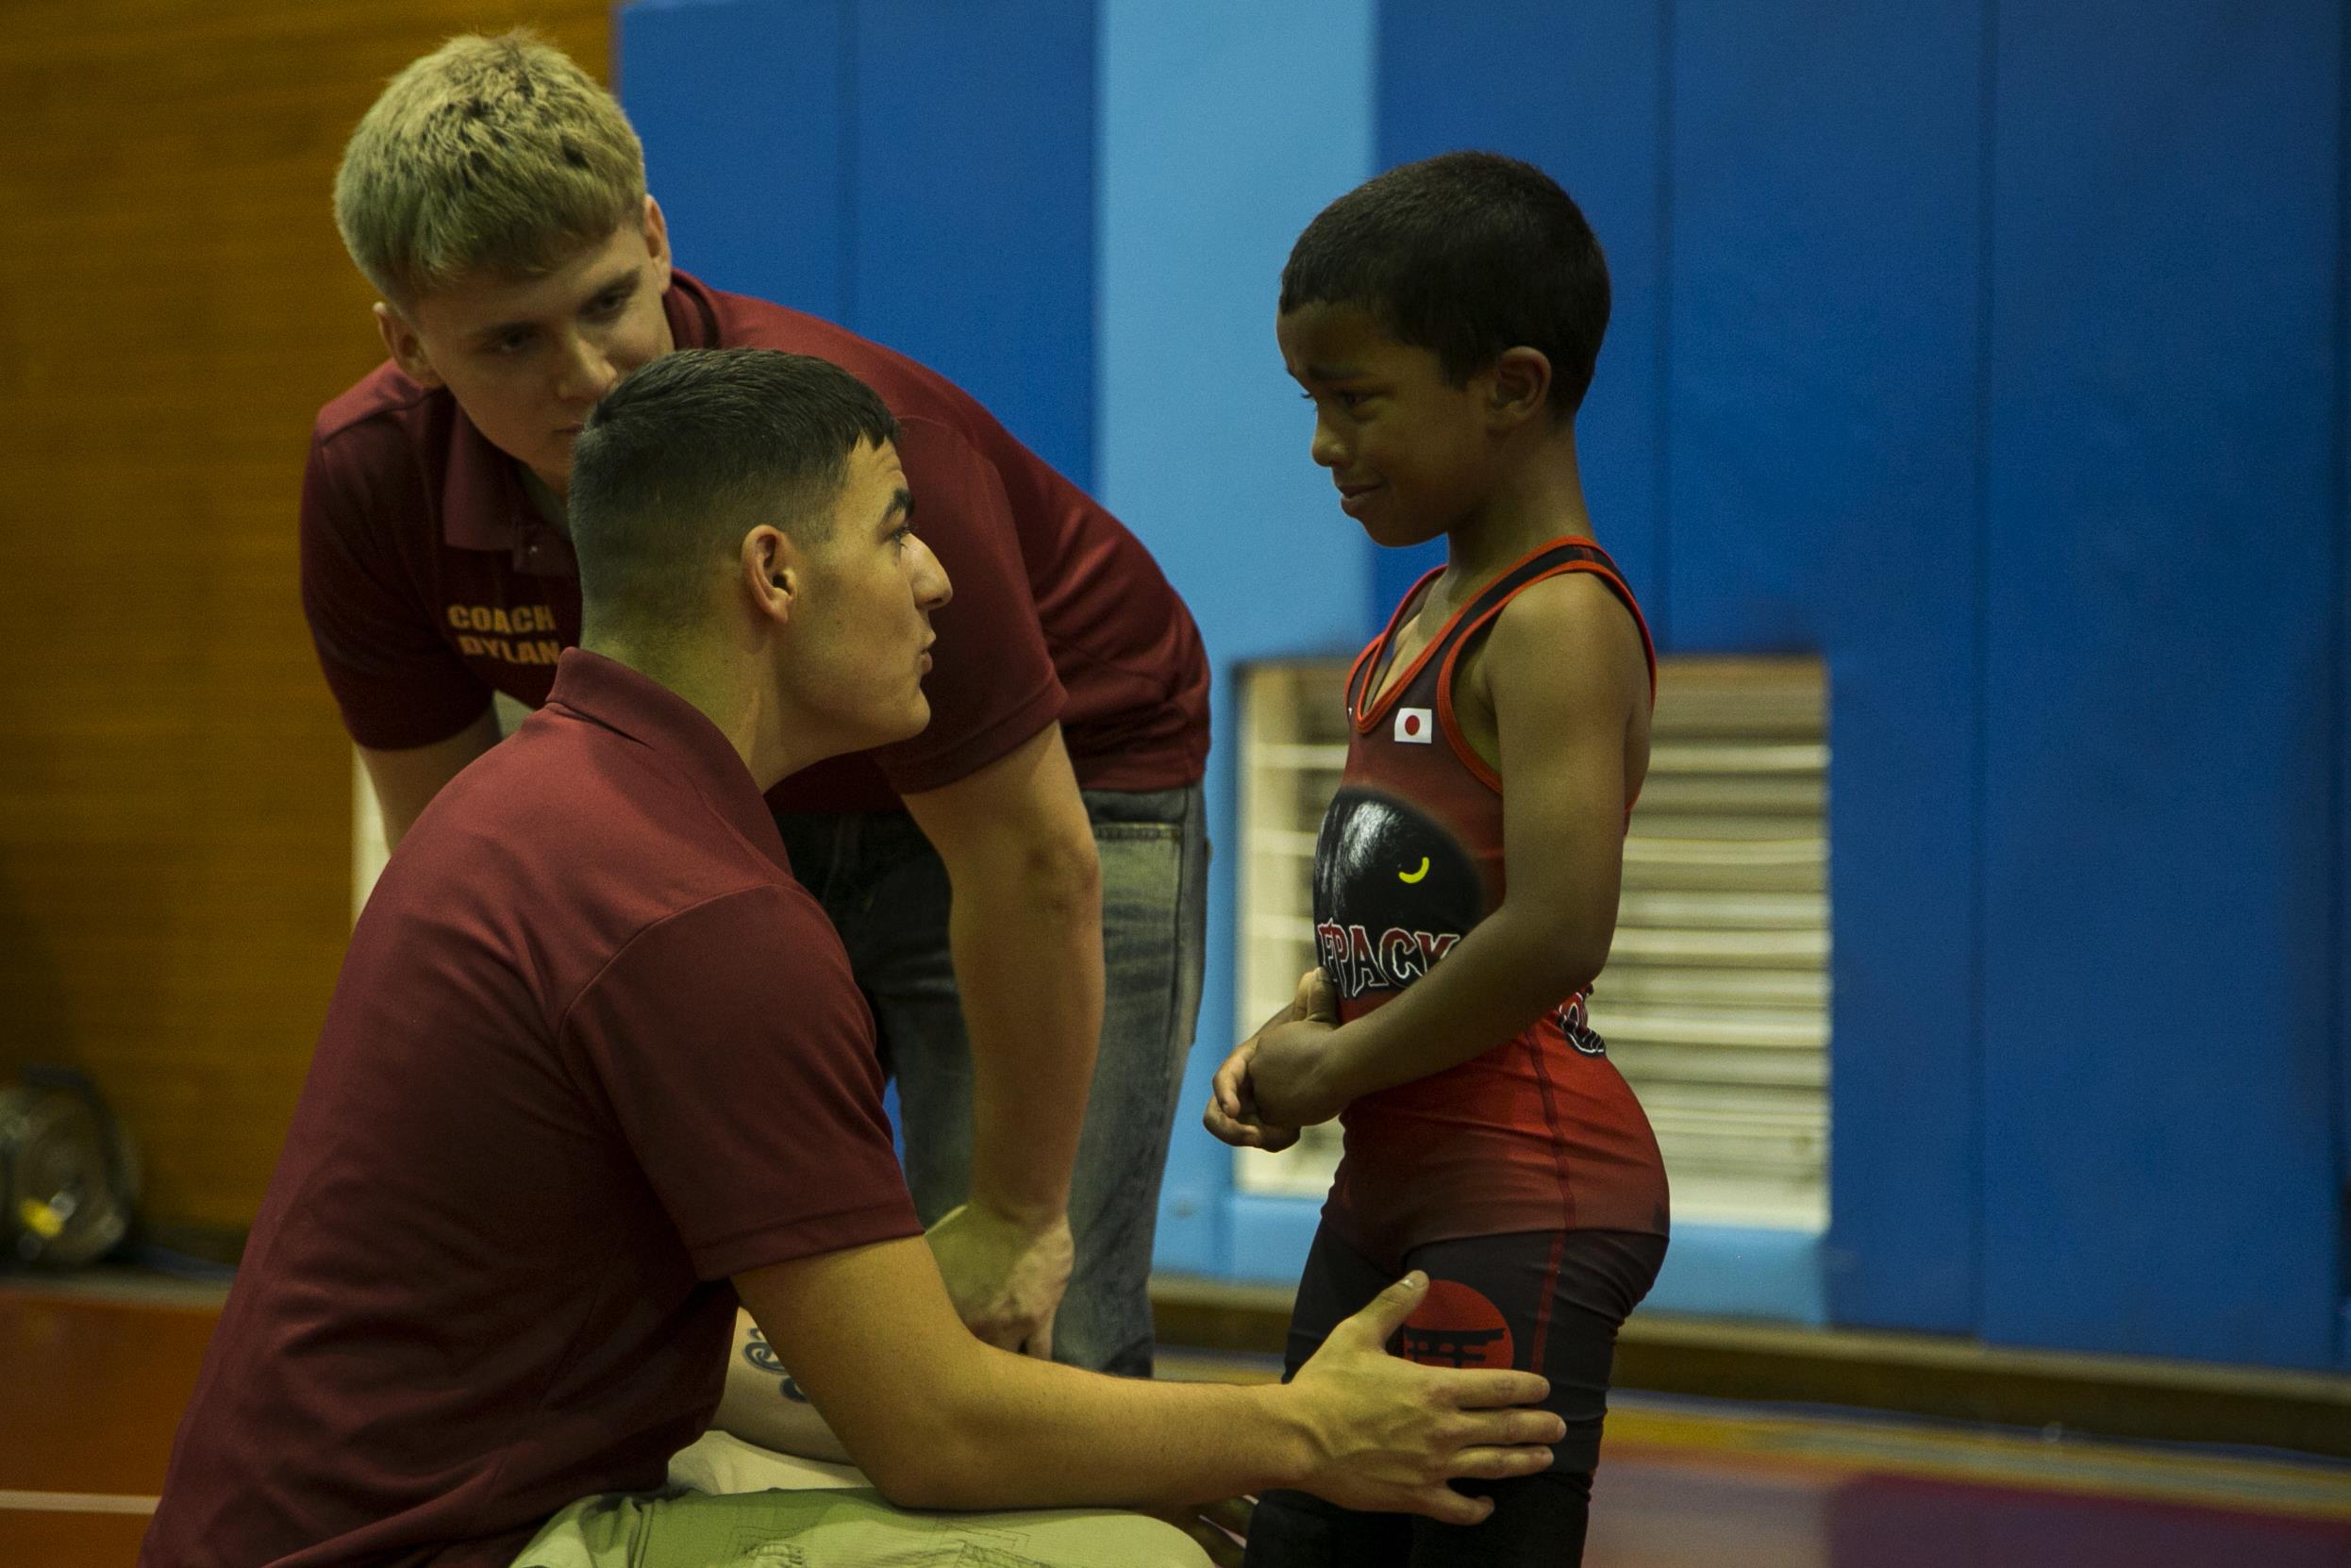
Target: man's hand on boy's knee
[[1006, 1278], [1380, 1452]]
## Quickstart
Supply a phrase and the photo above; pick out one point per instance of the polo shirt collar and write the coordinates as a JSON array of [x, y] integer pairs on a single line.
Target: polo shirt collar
[[632, 705], [483, 504], [694, 322]]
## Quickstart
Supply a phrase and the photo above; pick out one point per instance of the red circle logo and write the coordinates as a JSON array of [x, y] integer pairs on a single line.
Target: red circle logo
[[1453, 1327], [1411, 724]]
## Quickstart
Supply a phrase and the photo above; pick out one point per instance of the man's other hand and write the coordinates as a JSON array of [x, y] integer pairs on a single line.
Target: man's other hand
[[1005, 1278], [1389, 1434]]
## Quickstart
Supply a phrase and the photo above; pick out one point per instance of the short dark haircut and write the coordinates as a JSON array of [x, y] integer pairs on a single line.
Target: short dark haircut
[[1465, 255], [691, 451]]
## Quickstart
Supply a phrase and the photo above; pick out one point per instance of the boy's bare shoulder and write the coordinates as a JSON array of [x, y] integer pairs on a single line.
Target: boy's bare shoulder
[[1563, 657], [1572, 628]]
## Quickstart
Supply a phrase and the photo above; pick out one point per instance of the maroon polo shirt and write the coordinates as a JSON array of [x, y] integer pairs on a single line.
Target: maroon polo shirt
[[431, 581], [593, 1051]]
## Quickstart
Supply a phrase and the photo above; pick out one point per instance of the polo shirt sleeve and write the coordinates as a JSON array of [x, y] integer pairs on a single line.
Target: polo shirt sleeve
[[396, 679], [991, 683], [731, 1047]]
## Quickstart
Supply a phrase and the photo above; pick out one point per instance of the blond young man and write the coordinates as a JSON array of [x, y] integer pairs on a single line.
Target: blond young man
[[1019, 882], [596, 1069]]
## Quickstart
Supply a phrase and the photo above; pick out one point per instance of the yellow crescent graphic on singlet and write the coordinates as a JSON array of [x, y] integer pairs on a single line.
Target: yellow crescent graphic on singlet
[[1415, 876]]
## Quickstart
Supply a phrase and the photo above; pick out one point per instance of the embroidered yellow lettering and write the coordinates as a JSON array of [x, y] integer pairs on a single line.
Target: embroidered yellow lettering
[[507, 628]]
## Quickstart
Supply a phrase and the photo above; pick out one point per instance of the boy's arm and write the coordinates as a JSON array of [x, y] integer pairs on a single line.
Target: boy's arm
[[939, 1420], [1568, 680]]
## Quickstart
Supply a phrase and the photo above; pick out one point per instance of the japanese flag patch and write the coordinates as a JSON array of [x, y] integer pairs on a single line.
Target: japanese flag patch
[[1415, 726]]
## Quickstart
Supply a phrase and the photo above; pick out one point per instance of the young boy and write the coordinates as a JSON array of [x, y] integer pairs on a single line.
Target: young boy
[[1444, 319]]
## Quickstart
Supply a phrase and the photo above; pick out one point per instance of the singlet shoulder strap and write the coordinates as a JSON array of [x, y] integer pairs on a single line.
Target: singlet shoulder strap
[[1372, 663], [1360, 670], [1551, 562], [1563, 554]]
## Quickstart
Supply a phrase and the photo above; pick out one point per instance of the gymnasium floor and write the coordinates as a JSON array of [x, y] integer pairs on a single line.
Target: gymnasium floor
[[92, 1385]]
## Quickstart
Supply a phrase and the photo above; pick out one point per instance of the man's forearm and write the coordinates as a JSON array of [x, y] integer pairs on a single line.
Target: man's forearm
[[1033, 1434], [940, 1419], [758, 1407], [1027, 948]]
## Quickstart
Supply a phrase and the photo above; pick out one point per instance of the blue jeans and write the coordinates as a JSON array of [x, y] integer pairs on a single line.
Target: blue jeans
[[887, 893]]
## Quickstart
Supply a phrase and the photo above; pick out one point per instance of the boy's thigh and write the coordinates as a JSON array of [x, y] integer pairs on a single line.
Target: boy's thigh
[[1295, 1529], [1337, 1282], [1538, 1521], [844, 1530], [1547, 1302]]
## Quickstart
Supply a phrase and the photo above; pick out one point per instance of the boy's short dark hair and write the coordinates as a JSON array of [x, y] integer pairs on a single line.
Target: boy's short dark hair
[[691, 451], [1465, 255]]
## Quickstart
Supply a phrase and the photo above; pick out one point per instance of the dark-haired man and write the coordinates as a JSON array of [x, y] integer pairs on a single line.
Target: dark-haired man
[[1020, 887], [596, 1068]]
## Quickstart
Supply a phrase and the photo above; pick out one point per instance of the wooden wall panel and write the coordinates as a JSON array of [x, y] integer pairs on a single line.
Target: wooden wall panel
[[175, 788]]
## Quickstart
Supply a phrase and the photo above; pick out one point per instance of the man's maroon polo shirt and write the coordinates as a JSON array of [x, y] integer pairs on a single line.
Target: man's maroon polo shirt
[[430, 580], [593, 1052]]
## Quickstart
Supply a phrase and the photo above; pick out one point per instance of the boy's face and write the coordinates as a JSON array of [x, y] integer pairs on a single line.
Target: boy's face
[[860, 630], [1408, 449], [526, 358]]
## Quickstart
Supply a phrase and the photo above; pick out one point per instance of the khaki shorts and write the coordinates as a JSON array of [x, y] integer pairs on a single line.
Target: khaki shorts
[[822, 1522]]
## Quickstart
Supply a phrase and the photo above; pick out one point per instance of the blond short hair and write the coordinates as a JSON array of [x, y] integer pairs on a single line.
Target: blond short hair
[[490, 155]]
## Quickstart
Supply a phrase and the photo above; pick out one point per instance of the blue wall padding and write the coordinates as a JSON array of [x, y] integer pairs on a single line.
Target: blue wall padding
[[1822, 466], [2341, 942], [1994, 352], [744, 109], [1577, 89], [975, 213], [1960, 340], [1226, 125], [915, 170], [1582, 92], [2163, 612]]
